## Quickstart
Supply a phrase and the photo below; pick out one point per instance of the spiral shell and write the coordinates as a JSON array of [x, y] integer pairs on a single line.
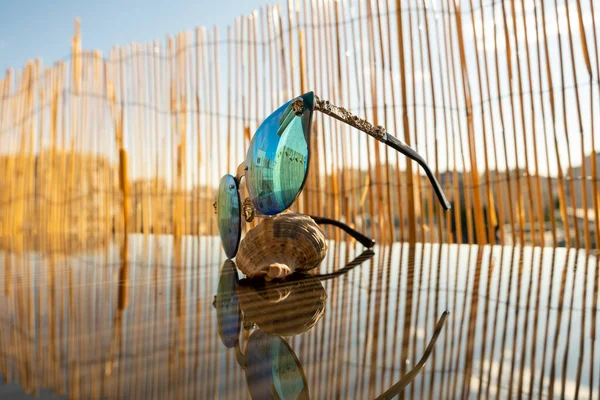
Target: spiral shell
[[280, 246]]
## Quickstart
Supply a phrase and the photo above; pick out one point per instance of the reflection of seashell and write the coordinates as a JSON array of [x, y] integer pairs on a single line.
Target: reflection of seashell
[[280, 246], [283, 308]]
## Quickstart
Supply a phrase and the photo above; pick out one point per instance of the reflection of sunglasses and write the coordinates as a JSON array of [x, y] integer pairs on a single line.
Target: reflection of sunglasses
[[272, 368], [276, 165]]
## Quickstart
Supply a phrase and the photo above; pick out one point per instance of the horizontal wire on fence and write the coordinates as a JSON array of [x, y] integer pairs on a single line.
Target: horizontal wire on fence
[[131, 104], [426, 186], [287, 30], [139, 196], [356, 109], [76, 199], [264, 43], [85, 261]]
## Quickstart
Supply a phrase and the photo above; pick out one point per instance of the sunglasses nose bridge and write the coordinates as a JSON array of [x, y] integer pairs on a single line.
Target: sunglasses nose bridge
[[241, 172]]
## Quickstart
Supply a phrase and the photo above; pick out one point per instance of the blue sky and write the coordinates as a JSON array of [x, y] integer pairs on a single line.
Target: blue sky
[[30, 29]]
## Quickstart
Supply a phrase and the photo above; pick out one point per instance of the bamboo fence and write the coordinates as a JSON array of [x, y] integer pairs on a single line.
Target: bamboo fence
[[500, 97]]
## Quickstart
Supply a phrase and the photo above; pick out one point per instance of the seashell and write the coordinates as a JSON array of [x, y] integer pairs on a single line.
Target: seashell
[[283, 308], [280, 246]]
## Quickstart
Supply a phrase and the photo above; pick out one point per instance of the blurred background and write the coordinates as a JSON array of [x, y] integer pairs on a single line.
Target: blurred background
[[132, 113]]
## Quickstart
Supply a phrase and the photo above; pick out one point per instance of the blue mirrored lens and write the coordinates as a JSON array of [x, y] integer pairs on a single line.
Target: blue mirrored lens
[[259, 365], [288, 378], [278, 156], [273, 369], [228, 215]]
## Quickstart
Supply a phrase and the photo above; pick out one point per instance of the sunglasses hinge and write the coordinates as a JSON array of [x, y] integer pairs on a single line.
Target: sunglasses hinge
[[298, 106]]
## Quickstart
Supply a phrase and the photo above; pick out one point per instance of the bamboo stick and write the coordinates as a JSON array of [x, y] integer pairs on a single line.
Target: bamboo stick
[[524, 134], [491, 206], [314, 207], [21, 163], [503, 130], [183, 126], [217, 90], [157, 201], [593, 166], [395, 129], [561, 188], [332, 149], [290, 57], [546, 151], [440, 220], [136, 128], [456, 204], [412, 234], [418, 193], [538, 187], [478, 208], [74, 125], [586, 223], [370, 189], [320, 189], [344, 139], [520, 205], [175, 150], [430, 199], [305, 204], [566, 132], [454, 88], [253, 93], [337, 91], [4, 124], [17, 214], [321, 82], [358, 68]]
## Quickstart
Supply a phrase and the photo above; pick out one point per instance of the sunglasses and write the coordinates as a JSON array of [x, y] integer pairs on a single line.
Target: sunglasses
[[276, 165]]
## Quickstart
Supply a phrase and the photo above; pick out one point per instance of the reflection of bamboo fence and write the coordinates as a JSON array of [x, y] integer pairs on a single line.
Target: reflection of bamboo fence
[[501, 105], [86, 327]]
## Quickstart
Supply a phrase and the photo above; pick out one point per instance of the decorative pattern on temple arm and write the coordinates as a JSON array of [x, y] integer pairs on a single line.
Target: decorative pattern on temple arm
[[341, 114]]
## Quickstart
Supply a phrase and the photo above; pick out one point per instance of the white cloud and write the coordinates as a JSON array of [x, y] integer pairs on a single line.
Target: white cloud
[[3, 44]]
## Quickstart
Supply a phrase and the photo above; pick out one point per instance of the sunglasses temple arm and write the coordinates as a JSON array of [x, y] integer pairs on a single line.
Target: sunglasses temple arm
[[409, 152], [379, 133], [362, 257], [408, 378], [364, 240]]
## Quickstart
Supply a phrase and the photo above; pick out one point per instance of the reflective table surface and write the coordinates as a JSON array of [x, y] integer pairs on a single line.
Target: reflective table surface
[[152, 318]]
